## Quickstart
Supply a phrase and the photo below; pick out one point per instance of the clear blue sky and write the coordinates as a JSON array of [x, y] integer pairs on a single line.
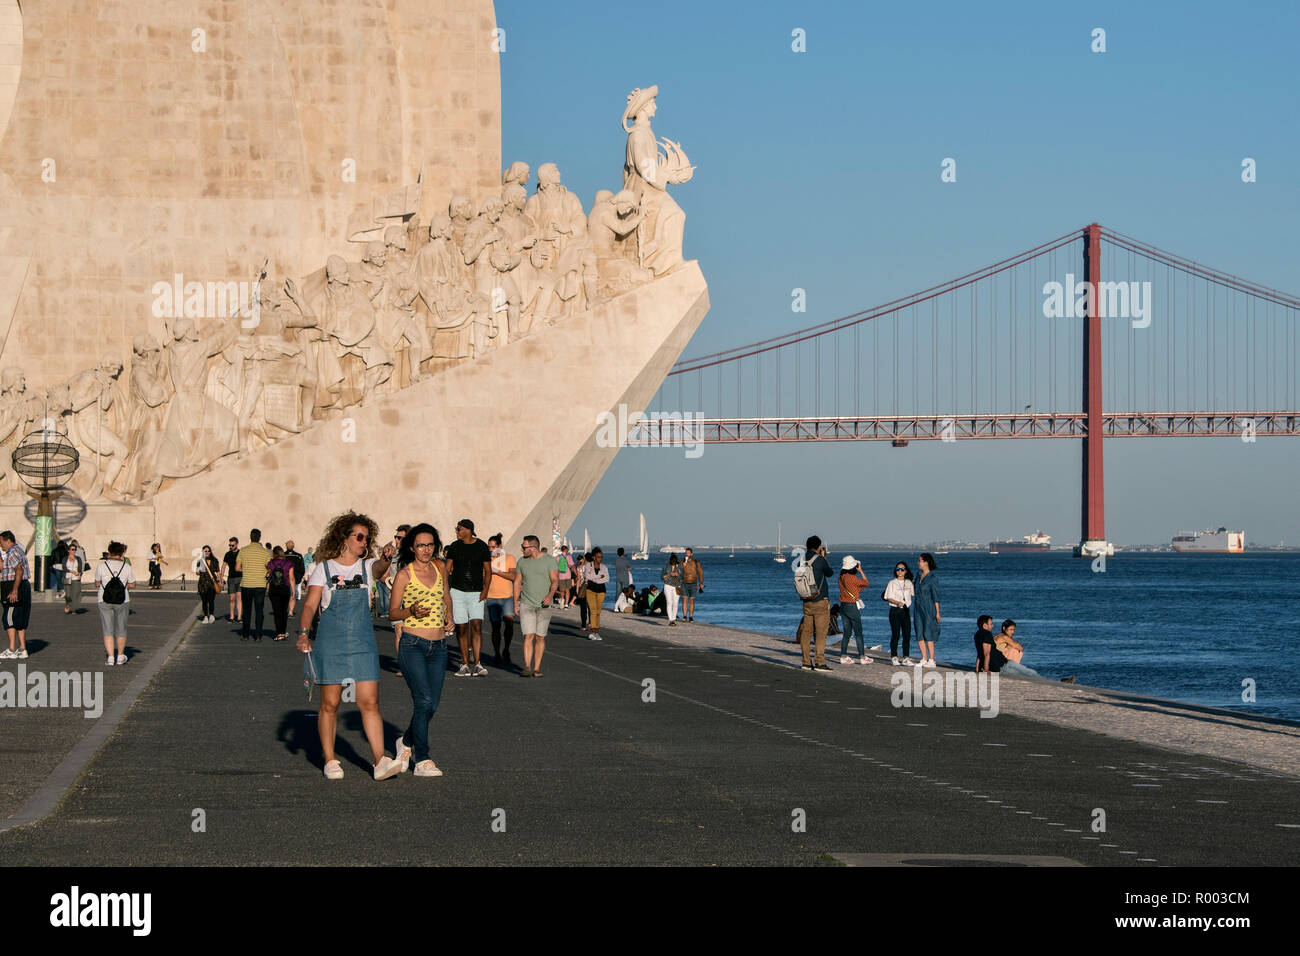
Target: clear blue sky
[[820, 170]]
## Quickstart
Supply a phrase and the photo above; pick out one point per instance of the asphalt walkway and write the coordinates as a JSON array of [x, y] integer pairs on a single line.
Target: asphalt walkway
[[736, 761]]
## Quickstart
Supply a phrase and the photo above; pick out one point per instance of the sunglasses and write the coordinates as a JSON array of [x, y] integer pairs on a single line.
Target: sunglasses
[[361, 536], [900, 570]]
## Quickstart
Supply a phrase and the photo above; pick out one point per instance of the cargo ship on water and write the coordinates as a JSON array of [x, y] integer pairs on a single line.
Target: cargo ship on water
[[1036, 543], [1222, 541]]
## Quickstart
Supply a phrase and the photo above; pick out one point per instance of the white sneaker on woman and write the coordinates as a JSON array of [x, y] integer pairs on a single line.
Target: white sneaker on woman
[[387, 767], [334, 770], [427, 768], [846, 660]]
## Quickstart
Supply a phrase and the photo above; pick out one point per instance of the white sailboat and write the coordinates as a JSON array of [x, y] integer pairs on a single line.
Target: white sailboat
[[780, 558], [586, 542], [733, 549], [643, 553]]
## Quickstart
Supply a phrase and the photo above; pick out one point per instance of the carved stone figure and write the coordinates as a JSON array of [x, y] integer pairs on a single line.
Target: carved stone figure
[[612, 227], [150, 392], [198, 429], [345, 314], [460, 316], [396, 243], [516, 173], [93, 404], [393, 290], [558, 214], [532, 277], [461, 210], [492, 258], [20, 410], [648, 173]]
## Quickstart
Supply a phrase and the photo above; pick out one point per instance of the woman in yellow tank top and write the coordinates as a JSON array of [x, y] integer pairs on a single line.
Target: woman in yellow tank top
[[421, 601]]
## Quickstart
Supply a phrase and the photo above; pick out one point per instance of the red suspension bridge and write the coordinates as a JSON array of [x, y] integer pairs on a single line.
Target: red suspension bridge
[[1016, 350]]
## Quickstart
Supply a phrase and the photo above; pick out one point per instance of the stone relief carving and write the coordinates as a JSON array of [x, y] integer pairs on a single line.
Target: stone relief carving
[[417, 299]]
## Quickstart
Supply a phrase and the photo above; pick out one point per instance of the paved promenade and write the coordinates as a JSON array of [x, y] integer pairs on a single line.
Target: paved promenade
[[736, 747]]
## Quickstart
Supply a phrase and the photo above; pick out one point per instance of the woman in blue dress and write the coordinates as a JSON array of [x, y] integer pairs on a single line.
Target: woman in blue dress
[[925, 609], [345, 647]]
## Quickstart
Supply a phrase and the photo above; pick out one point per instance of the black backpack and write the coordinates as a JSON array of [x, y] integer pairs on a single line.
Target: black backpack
[[114, 589], [277, 578]]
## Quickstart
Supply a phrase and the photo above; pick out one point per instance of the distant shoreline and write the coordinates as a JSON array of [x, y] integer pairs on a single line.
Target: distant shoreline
[[880, 548]]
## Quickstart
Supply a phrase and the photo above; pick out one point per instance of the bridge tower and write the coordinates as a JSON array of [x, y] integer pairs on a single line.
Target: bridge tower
[[1092, 538]]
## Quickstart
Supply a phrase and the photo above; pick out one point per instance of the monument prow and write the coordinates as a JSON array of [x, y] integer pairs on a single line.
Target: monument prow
[[342, 302]]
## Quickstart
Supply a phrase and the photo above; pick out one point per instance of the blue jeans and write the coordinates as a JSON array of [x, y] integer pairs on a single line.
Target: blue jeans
[[851, 618], [424, 665], [1018, 670], [56, 579]]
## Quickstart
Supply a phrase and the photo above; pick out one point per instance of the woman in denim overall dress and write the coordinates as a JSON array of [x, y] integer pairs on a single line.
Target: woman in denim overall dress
[[345, 646]]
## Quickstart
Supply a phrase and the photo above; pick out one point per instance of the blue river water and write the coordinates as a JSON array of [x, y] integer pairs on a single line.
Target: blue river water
[[1193, 628]]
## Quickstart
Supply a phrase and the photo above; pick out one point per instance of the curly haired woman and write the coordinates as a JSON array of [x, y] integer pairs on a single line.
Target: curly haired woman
[[345, 649]]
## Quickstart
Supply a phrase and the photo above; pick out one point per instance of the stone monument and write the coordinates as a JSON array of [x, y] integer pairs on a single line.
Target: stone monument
[[418, 318]]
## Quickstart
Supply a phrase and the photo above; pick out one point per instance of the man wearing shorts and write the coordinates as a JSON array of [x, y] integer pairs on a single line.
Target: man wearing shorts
[[233, 579], [15, 583], [564, 567], [501, 599], [534, 594], [469, 569], [692, 584]]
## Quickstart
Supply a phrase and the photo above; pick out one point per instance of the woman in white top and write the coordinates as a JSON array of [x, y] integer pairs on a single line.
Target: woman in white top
[[596, 576], [345, 649], [73, 568], [113, 614], [899, 594]]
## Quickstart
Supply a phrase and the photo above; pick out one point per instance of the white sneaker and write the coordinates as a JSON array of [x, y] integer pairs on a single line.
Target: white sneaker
[[595, 637], [22, 654], [387, 767], [7, 655], [846, 660], [334, 770], [108, 661], [403, 754], [864, 659], [464, 671], [929, 663], [427, 768], [895, 661], [907, 662], [479, 671], [121, 659]]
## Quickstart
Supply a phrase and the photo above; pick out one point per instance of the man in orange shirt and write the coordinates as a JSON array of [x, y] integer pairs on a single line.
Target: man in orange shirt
[[501, 599]]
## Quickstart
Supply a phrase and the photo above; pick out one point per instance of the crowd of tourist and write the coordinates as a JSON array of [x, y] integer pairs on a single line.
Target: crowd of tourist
[[431, 592]]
